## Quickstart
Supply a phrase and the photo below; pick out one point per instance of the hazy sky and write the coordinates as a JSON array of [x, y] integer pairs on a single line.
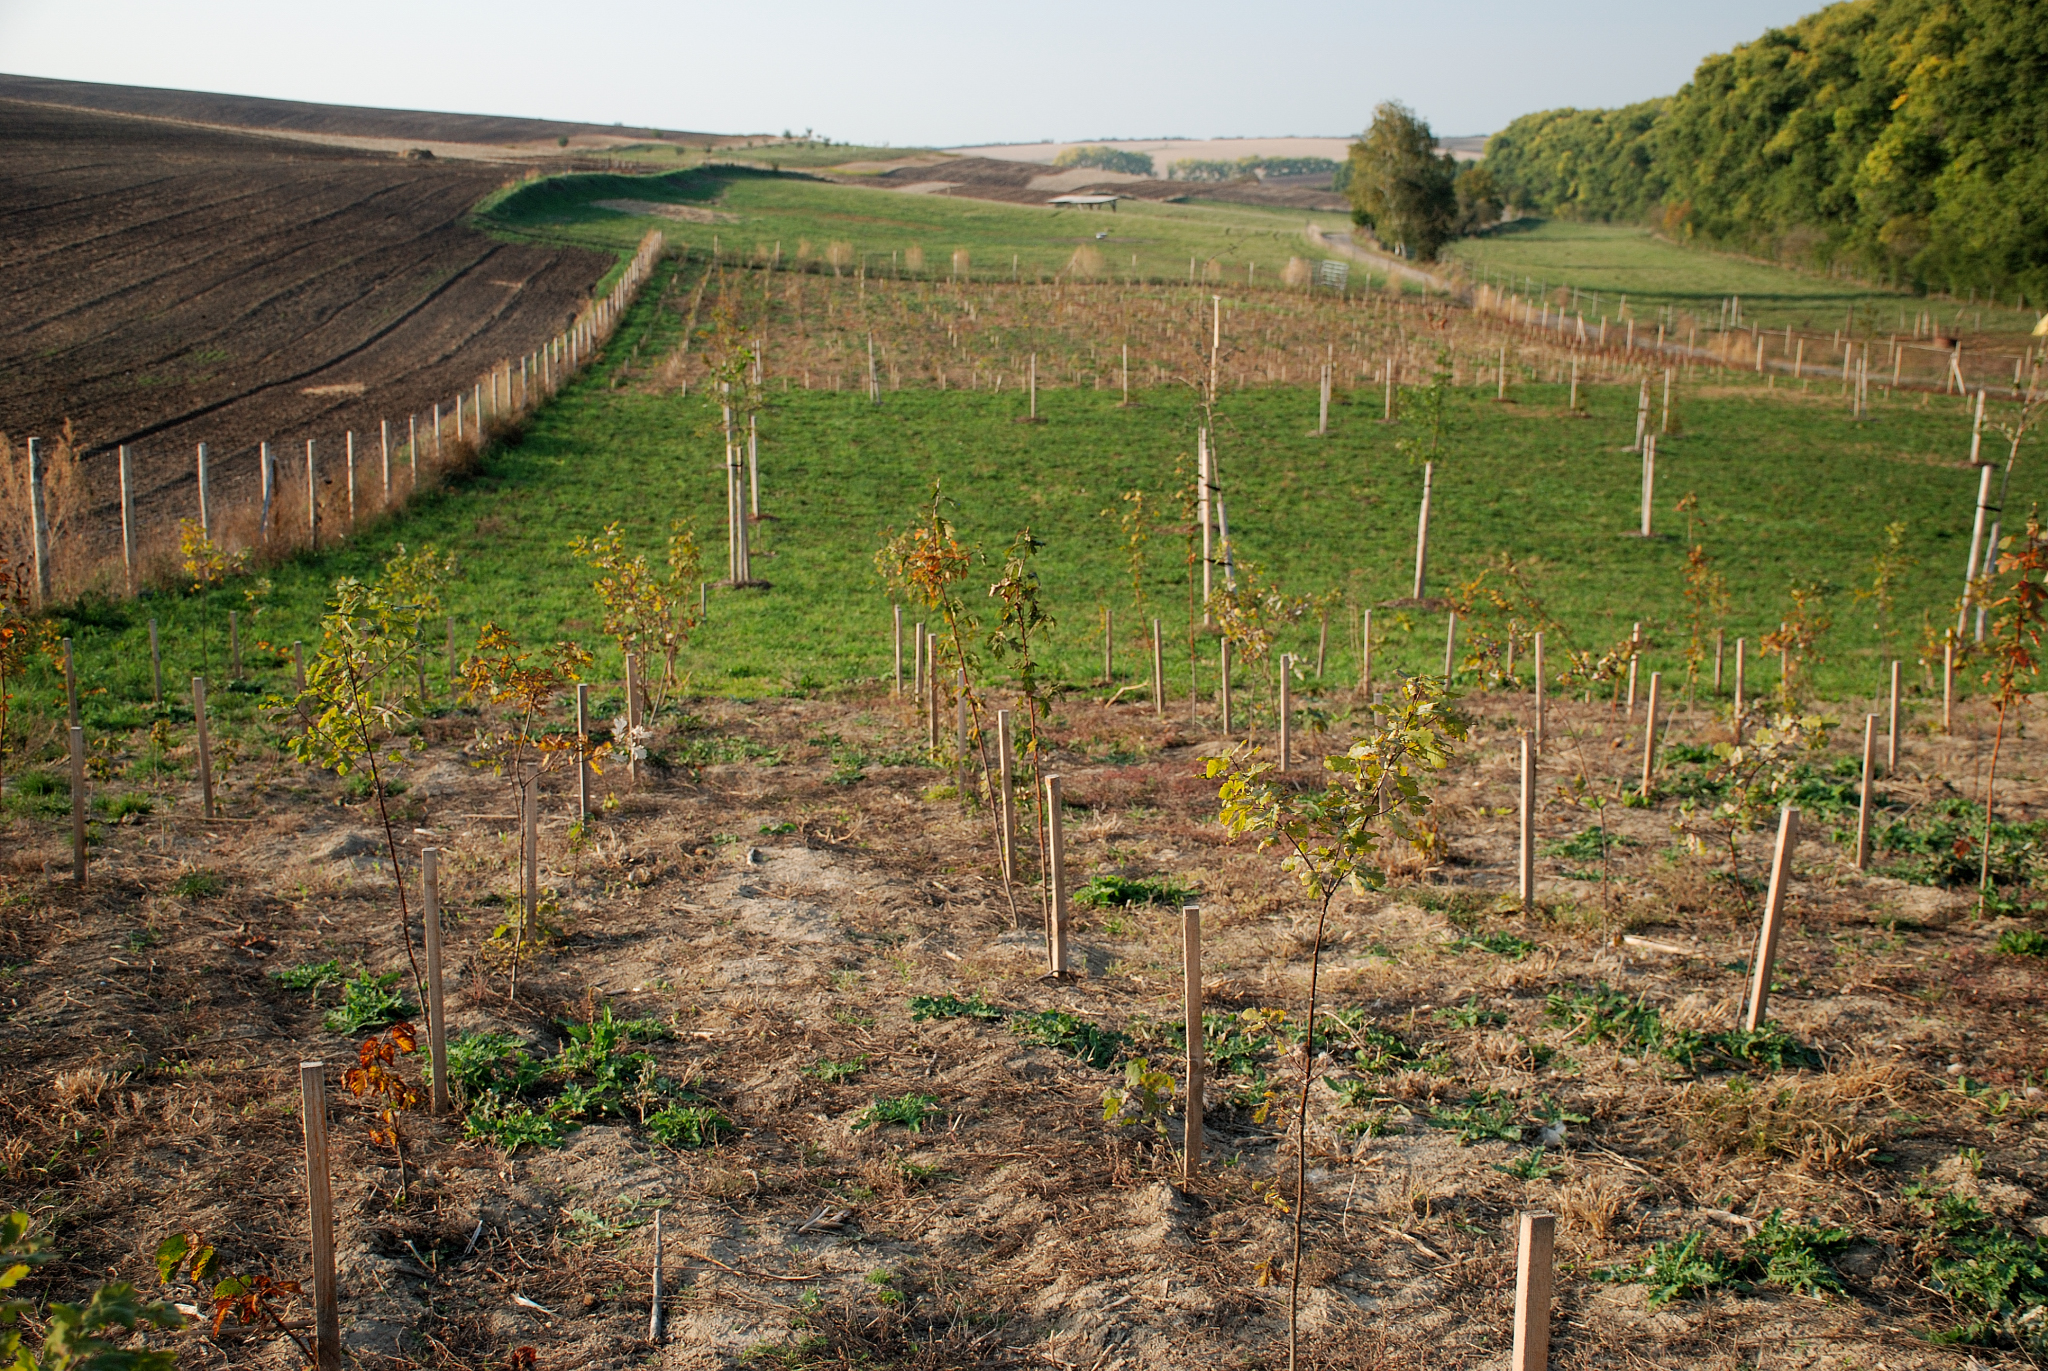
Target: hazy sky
[[908, 73]]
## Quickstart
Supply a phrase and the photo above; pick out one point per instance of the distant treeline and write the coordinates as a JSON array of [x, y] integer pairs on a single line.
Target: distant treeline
[[1906, 140], [1195, 169]]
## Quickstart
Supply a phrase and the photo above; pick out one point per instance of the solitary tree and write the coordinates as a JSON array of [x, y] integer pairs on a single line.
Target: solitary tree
[[1401, 187]]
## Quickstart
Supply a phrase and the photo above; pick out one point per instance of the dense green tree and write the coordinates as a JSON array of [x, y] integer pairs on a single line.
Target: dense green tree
[[1106, 159], [1907, 139], [1400, 186]]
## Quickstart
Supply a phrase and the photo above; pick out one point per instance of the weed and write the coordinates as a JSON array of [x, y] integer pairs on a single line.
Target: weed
[[1486, 1117], [2022, 942], [1793, 1256], [118, 807], [367, 1002], [511, 1125], [688, 1125], [489, 1064], [1997, 1278], [1671, 1270], [309, 975], [199, 885], [1104, 891], [1738, 1048], [908, 1111], [1064, 1032], [837, 1073], [924, 1007], [1604, 1015], [1528, 1167], [1471, 1014], [1500, 944]]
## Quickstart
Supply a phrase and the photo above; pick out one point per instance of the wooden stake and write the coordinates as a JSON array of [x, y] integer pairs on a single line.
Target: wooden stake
[[1224, 691], [1191, 994], [1740, 645], [1650, 733], [529, 853], [1056, 878], [1525, 865], [448, 630], [1108, 644], [1717, 661], [1891, 746], [205, 749], [437, 1021], [1450, 646], [1286, 710], [1948, 683], [205, 515], [1767, 936], [917, 661], [1365, 657], [39, 523], [234, 647], [1322, 640], [1158, 672], [1422, 532], [896, 615], [298, 666], [70, 687], [320, 1207], [1006, 798], [1538, 742], [960, 739], [582, 752], [1532, 1293], [1863, 796], [654, 1300], [77, 806], [128, 522], [632, 713]]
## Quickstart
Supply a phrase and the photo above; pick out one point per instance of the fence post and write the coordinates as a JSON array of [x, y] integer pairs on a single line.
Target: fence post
[[1158, 673], [127, 523], [156, 667], [39, 522], [205, 749], [77, 806], [1006, 797], [1767, 936], [1650, 732], [1863, 796], [1191, 973], [1532, 1293], [1891, 746], [437, 1023], [320, 1203], [583, 751], [1286, 710], [1056, 878], [1525, 863]]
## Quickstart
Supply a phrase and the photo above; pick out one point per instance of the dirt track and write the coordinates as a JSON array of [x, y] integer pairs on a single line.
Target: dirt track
[[164, 286]]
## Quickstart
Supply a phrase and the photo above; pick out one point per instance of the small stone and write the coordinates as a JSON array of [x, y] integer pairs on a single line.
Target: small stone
[[1955, 1068]]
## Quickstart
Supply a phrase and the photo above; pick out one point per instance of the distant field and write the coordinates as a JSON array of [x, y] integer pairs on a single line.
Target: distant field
[[763, 209], [1614, 260]]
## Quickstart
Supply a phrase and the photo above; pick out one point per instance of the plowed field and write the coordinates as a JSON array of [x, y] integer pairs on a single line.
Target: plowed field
[[164, 286]]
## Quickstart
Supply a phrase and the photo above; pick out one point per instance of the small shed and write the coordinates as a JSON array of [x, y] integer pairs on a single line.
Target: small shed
[[1086, 201]]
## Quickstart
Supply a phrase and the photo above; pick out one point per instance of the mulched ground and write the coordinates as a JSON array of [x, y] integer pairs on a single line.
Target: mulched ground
[[777, 890]]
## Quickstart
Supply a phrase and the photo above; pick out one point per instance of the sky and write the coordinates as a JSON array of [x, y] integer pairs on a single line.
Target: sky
[[907, 74]]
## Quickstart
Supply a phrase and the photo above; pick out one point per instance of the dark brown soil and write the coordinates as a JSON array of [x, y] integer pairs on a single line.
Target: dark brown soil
[[298, 116], [163, 286]]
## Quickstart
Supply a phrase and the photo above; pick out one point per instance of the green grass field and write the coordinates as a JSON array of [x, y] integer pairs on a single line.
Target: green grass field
[[762, 209], [1788, 491], [1614, 259]]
